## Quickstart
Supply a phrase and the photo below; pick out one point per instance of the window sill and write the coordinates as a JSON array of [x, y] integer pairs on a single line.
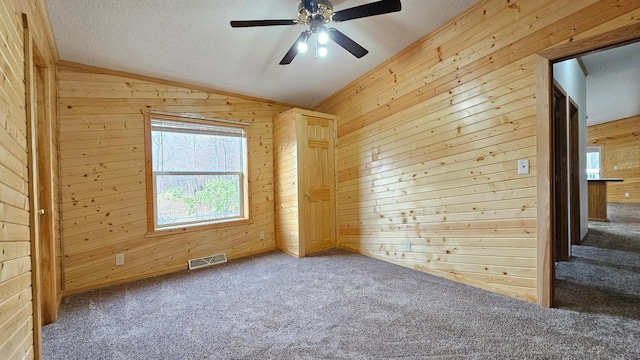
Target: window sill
[[196, 228]]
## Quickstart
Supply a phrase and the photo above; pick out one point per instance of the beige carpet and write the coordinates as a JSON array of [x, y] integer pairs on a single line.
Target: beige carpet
[[603, 275], [340, 305]]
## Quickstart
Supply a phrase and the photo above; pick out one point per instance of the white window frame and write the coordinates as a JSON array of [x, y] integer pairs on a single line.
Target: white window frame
[[595, 149], [153, 228]]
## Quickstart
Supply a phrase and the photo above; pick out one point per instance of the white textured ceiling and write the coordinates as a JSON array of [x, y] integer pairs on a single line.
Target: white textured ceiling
[[613, 84], [191, 41]]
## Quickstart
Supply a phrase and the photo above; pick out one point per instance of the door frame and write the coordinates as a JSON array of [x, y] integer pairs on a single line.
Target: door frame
[[566, 195], [34, 222], [39, 118], [560, 184], [544, 155], [46, 199], [573, 117]]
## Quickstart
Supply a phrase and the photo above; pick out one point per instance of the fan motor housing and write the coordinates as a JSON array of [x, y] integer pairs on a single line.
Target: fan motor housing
[[324, 12]]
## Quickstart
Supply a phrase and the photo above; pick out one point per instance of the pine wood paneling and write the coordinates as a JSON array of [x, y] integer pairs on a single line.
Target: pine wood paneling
[[17, 333], [103, 184], [287, 185], [428, 143], [620, 146], [55, 139]]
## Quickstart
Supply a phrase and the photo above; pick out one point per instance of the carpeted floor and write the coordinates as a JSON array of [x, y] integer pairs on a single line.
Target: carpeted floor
[[603, 275], [339, 305]]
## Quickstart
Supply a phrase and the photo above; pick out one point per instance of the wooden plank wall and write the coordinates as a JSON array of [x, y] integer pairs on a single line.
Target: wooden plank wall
[[287, 183], [16, 309], [57, 201], [620, 146], [428, 143], [103, 182]]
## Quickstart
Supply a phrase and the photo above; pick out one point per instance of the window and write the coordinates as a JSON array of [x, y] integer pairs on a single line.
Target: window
[[196, 172], [593, 162]]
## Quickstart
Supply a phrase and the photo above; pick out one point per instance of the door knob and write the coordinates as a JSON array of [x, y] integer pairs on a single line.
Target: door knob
[[307, 195], [40, 211]]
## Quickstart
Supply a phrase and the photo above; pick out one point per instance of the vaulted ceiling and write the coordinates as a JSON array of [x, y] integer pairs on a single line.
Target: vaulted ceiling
[[192, 41], [613, 83]]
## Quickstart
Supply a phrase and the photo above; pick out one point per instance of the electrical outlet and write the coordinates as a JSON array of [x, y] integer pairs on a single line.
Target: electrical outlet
[[261, 235], [626, 194], [119, 259], [407, 246]]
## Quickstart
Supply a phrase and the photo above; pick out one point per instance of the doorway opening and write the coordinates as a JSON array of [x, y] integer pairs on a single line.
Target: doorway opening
[[558, 201]]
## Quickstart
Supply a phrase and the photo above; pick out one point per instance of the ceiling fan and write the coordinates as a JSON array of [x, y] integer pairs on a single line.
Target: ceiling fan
[[316, 14]]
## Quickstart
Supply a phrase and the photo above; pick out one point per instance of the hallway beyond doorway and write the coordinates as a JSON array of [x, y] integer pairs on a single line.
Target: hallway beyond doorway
[[603, 275]]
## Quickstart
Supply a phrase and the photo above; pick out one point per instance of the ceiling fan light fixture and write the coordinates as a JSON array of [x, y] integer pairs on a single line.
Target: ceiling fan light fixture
[[302, 44], [316, 14], [322, 50], [323, 36]]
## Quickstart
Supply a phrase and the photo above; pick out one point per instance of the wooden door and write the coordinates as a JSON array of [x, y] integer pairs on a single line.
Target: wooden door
[[317, 168], [560, 176], [574, 173]]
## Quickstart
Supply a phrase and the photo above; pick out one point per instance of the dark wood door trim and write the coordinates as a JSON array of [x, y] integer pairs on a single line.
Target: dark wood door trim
[[560, 175], [574, 173]]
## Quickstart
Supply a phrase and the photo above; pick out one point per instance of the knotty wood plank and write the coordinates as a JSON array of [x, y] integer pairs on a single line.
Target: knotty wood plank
[[103, 179], [620, 149], [421, 132]]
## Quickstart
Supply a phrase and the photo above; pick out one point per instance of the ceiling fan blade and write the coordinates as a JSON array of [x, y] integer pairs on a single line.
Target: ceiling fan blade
[[372, 9], [293, 51], [346, 42], [250, 23]]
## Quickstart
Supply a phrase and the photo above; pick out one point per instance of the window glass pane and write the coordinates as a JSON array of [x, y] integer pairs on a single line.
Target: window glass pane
[[199, 172], [179, 152], [593, 163], [189, 198]]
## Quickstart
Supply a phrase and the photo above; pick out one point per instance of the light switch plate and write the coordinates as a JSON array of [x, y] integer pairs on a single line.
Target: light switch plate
[[523, 166]]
